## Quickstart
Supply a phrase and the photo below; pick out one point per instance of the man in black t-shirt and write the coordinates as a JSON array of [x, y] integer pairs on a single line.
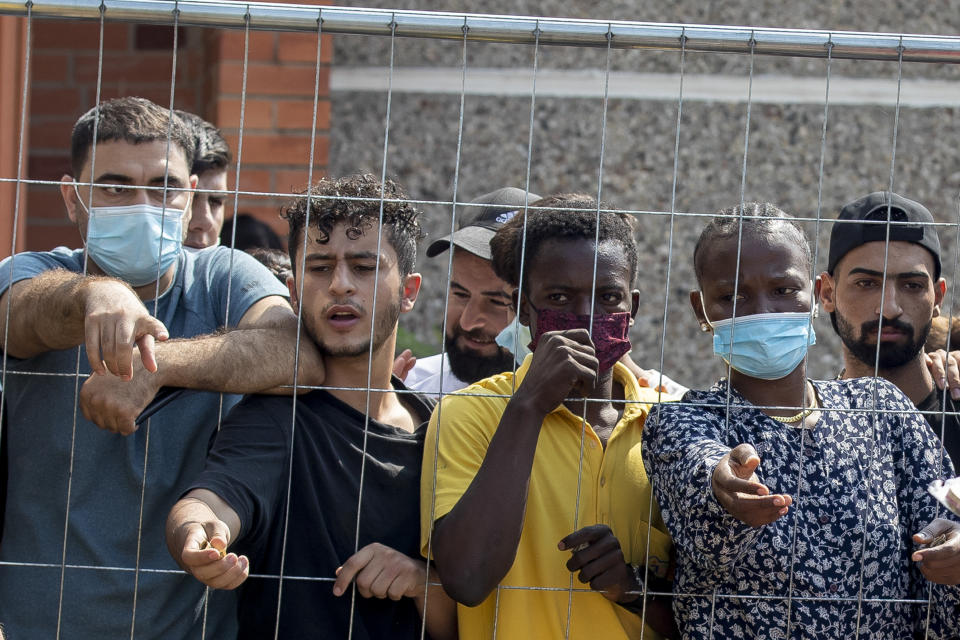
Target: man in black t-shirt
[[882, 289], [314, 493]]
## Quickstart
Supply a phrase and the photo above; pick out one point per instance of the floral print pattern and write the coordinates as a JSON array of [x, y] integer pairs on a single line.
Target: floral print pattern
[[836, 566]]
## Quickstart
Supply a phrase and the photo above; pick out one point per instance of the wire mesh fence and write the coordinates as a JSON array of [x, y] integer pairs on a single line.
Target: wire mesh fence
[[665, 122]]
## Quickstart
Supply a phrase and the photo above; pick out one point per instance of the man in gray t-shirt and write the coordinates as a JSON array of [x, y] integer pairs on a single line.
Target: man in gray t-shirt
[[82, 548]]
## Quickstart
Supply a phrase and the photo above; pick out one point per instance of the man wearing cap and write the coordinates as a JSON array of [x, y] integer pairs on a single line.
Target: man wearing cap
[[479, 303], [882, 288]]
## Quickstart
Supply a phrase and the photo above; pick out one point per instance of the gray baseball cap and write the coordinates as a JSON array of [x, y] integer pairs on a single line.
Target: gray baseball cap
[[480, 223]]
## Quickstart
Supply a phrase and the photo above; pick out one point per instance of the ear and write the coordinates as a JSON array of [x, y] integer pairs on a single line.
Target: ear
[[634, 304], [188, 208], [292, 288], [697, 303], [815, 303], [827, 292], [513, 300], [194, 180], [939, 290], [69, 195], [411, 288], [523, 310]]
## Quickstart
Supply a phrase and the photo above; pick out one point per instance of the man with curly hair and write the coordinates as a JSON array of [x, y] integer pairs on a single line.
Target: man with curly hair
[[323, 488], [529, 476]]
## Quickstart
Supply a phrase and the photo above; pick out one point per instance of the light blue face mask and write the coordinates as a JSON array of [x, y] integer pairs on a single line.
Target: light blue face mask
[[514, 338], [135, 243], [765, 345]]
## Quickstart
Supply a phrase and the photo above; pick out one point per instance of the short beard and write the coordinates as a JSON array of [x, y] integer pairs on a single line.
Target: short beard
[[890, 356], [470, 367], [383, 328]]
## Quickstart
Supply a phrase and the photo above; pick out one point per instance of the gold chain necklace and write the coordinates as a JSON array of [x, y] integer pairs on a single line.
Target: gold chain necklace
[[803, 414], [794, 418]]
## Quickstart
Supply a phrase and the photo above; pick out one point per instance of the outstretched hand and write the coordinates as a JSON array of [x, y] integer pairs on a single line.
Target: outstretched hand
[[204, 555], [740, 492], [939, 557]]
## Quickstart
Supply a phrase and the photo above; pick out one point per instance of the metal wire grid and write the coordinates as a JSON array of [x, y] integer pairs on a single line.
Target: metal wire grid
[[467, 28]]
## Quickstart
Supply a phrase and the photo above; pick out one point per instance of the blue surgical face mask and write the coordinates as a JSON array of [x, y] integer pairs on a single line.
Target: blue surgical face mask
[[135, 243], [514, 338], [767, 345]]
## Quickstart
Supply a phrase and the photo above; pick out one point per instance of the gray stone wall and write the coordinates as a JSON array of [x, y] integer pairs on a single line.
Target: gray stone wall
[[782, 166]]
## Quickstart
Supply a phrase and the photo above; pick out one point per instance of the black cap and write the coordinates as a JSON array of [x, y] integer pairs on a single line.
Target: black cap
[[480, 223], [912, 222]]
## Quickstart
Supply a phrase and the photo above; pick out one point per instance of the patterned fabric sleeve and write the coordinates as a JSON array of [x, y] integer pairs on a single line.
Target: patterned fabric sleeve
[[681, 447], [923, 460]]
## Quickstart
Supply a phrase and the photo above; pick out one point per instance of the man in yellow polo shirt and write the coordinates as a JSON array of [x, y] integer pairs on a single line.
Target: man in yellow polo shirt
[[535, 506]]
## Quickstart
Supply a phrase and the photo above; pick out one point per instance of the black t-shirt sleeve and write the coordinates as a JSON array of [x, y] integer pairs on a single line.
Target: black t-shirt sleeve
[[421, 405], [248, 464], [946, 425]]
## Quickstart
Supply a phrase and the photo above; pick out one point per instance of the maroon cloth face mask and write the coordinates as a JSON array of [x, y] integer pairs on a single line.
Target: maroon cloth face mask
[[610, 332]]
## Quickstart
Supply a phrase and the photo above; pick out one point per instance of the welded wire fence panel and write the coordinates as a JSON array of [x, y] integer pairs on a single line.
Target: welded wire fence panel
[[668, 123]]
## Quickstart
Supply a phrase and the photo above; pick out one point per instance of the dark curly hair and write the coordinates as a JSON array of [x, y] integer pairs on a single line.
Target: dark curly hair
[[551, 218], [355, 201], [277, 261], [756, 217]]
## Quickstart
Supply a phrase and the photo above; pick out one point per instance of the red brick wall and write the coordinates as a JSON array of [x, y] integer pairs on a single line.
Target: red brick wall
[[277, 115], [12, 48], [137, 60]]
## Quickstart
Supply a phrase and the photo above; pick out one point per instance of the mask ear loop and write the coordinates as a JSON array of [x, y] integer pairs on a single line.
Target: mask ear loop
[[87, 211], [80, 200], [705, 325], [815, 307]]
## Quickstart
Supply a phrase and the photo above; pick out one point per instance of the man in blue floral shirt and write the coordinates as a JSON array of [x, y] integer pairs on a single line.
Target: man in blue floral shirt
[[799, 508]]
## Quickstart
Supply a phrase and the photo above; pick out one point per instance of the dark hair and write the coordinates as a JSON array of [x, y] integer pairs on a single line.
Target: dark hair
[[251, 234], [210, 150], [131, 119], [356, 202], [753, 218], [550, 218], [274, 259]]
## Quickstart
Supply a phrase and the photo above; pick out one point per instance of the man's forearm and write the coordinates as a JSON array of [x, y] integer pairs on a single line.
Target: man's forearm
[[46, 313], [437, 610], [240, 361], [475, 544]]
